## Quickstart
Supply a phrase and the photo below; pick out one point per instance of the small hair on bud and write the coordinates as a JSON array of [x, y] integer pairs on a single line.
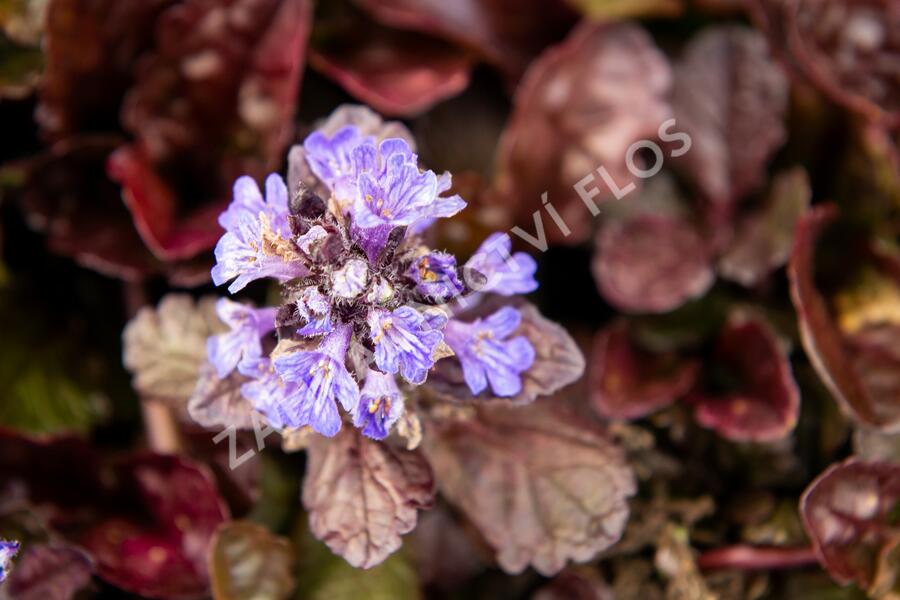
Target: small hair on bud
[[306, 203]]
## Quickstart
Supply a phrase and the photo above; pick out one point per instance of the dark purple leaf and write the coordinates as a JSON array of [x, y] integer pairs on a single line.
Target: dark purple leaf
[[362, 495], [825, 343], [565, 126], [162, 554], [397, 73], [444, 552], [730, 97], [760, 401], [213, 100], [651, 263], [850, 512], [542, 486], [508, 33], [146, 520], [628, 382], [98, 234], [847, 48], [91, 47]]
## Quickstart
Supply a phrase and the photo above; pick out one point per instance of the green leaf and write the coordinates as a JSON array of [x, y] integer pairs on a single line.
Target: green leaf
[[20, 69], [246, 562], [322, 575], [43, 371]]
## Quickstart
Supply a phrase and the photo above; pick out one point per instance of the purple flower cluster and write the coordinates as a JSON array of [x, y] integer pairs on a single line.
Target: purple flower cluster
[[8, 551], [367, 307]]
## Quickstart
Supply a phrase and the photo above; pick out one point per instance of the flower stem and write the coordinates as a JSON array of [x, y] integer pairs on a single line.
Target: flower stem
[[160, 425], [756, 558]]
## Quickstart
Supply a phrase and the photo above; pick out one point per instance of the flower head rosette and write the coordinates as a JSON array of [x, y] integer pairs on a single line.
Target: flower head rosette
[[367, 307]]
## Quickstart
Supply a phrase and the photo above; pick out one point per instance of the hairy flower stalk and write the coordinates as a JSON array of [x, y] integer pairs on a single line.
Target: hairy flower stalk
[[367, 307]]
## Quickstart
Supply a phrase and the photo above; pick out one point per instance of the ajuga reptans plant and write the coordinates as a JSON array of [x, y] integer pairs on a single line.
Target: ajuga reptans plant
[[367, 308]]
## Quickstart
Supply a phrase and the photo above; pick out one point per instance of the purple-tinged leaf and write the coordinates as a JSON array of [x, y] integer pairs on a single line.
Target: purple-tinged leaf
[[162, 554], [850, 514], [542, 486], [443, 551], [508, 33], [558, 361], [763, 239], [651, 263], [98, 234], [846, 48], [145, 520], [49, 572], [218, 403], [362, 495], [565, 125], [247, 561], [825, 343], [761, 403], [628, 382], [731, 98], [397, 73], [91, 47]]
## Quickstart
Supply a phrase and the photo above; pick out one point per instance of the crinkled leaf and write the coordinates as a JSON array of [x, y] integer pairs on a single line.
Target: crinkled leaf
[[98, 234], [850, 514], [825, 343], [210, 109], [153, 205], [48, 572], [731, 98], [651, 263], [246, 561], [542, 486], [362, 495], [846, 48], [217, 402], [165, 347], [558, 361], [764, 237], [367, 121], [628, 382], [615, 10], [91, 47], [396, 72], [508, 33], [566, 123], [163, 554], [145, 519], [758, 399]]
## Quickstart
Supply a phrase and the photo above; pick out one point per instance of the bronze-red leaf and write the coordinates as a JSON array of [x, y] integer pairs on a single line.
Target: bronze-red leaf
[[628, 382]]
